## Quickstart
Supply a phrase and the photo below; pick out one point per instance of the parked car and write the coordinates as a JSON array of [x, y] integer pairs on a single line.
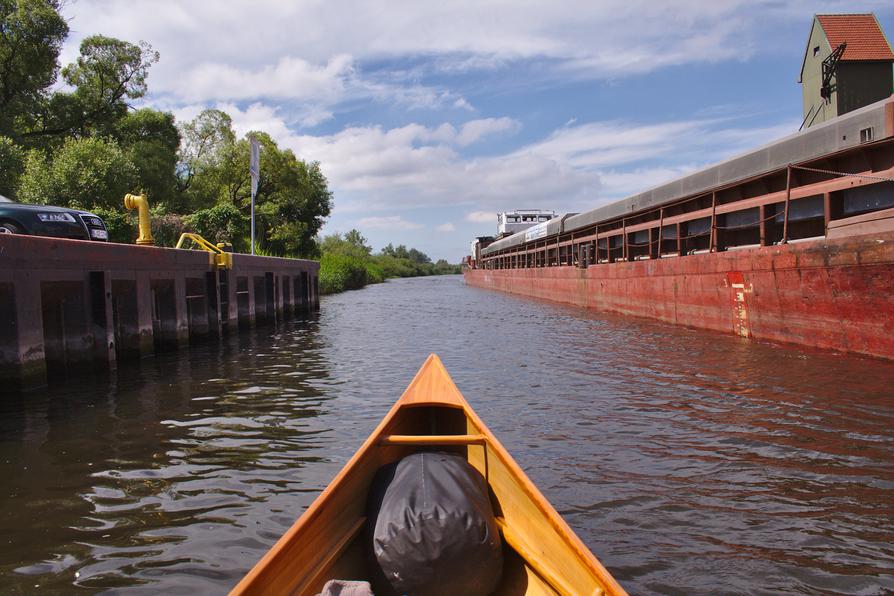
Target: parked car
[[46, 220]]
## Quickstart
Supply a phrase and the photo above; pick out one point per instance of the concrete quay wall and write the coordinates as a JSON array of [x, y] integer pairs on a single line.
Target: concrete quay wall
[[826, 293], [68, 306]]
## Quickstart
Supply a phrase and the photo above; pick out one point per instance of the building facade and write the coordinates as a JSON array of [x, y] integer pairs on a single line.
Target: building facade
[[861, 75]]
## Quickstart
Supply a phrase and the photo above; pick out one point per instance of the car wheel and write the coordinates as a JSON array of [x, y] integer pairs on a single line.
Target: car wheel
[[10, 228]]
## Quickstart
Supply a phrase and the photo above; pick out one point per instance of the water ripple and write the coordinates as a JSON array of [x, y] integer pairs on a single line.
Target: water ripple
[[689, 462]]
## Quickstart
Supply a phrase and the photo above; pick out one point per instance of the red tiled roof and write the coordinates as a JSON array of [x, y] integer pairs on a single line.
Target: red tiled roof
[[864, 37]]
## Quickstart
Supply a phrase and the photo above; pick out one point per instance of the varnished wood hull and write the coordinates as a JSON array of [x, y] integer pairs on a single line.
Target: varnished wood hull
[[542, 555]]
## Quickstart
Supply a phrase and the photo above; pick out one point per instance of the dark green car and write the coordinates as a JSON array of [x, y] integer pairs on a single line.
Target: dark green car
[[46, 220]]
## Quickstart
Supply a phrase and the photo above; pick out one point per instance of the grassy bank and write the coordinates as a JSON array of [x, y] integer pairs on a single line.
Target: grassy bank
[[348, 263]]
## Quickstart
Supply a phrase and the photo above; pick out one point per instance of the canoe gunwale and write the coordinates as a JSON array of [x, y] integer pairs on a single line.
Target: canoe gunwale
[[343, 543]]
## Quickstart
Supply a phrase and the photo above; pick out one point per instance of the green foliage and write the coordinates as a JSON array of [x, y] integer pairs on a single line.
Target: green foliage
[[396, 266], [107, 73], [341, 272], [167, 228], [401, 252], [205, 140], [293, 197], [31, 35], [353, 243], [442, 267], [121, 224], [12, 160], [85, 173], [151, 140], [86, 146], [351, 248], [375, 273], [221, 223]]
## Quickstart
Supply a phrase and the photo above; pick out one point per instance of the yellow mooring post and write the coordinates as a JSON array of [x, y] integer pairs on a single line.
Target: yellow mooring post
[[141, 204]]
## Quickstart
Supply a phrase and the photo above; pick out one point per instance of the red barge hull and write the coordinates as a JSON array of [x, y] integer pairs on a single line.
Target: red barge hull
[[828, 293]]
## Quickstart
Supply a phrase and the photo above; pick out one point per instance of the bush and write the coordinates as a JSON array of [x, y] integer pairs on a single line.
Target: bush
[[395, 267], [221, 223], [341, 272], [375, 274], [86, 173], [348, 264], [166, 229]]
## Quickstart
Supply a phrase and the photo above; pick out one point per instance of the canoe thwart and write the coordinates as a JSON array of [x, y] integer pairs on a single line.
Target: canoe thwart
[[433, 440]]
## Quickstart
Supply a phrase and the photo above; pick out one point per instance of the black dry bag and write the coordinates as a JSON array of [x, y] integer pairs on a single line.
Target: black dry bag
[[432, 528]]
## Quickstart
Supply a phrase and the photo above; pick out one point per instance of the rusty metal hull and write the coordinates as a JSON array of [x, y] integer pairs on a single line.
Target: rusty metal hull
[[829, 293]]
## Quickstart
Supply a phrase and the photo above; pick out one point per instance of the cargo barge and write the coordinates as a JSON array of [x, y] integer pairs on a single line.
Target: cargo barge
[[792, 242]]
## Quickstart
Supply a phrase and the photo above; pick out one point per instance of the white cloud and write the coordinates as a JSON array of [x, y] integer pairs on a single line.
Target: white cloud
[[608, 144], [446, 227], [576, 167], [474, 130], [289, 78], [482, 217], [256, 116], [410, 166], [330, 54], [390, 222]]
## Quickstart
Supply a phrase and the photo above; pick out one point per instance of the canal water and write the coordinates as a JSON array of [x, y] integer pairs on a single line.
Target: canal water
[[689, 462]]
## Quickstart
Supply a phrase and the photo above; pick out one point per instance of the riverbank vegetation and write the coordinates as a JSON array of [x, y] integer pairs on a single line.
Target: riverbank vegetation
[[348, 263], [85, 145]]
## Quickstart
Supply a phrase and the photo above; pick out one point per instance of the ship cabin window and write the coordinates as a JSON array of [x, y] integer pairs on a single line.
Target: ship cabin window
[[815, 51]]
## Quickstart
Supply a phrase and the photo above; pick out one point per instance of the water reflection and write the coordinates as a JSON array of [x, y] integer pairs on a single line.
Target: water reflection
[[688, 461]]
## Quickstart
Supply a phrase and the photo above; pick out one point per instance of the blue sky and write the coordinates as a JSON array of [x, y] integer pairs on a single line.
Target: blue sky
[[428, 118]]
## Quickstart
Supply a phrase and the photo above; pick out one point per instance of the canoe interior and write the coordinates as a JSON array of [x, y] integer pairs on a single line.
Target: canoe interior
[[333, 542]]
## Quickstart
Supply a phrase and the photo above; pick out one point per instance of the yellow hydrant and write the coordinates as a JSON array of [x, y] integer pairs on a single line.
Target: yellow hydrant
[[141, 204]]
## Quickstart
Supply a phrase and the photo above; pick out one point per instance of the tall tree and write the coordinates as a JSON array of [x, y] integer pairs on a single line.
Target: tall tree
[[357, 240], [205, 140], [293, 196], [151, 140], [31, 36], [108, 74]]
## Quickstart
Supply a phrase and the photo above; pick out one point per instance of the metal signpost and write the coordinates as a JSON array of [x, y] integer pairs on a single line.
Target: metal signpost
[[254, 168]]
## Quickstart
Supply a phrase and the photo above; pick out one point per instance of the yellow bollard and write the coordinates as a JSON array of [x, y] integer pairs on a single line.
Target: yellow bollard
[[141, 204]]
